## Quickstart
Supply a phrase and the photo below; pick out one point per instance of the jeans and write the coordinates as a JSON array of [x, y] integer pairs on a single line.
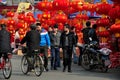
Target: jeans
[[75, 58], [55, 57]]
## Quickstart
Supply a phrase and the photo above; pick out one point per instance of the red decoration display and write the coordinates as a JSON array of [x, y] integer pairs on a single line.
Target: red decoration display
[[60, 4]]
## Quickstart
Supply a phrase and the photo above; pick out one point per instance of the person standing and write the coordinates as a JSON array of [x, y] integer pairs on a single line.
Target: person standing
[[92, 33], [85, 32], [44, 43], [5, 45], [55, 42], [67, 40]]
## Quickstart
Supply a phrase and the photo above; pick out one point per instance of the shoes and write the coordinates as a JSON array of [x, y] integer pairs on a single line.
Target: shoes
[[64, 69], [46, 69], [55, 68], [70, 71], [51, 68]]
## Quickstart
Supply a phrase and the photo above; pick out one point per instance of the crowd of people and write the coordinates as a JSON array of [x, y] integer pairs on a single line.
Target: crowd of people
[[66, 41]]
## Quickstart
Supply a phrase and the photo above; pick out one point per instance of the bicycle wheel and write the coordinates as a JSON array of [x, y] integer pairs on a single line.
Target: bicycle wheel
[[38, 66], [24, 64], [7, 70]]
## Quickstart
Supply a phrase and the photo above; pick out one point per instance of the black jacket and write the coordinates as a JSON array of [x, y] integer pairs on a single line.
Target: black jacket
[[5, 46], [71, 40], [32, 40], [93, 35], [85, 32]]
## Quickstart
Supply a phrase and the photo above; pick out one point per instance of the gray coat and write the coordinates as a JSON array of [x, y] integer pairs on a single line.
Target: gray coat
[[55, 39]]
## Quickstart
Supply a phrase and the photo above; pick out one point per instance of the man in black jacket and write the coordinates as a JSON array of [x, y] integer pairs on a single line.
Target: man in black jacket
[[32, 39], [5, 46], [85, 32], [92, 33], [67, 40]]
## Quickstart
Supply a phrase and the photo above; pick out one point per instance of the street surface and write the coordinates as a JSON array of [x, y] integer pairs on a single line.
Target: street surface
[[78, 73]]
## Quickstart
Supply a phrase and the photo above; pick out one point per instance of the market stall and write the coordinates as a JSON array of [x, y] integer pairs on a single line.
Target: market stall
[[75, 13]]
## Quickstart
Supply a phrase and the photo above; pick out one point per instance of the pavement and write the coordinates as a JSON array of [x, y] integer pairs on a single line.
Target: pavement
[[78, 73]]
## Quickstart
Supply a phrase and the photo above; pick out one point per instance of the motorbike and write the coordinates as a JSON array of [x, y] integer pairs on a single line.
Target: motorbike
[[95, 58]]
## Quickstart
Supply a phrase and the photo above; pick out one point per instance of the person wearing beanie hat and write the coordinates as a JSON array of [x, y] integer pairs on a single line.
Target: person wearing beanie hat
[[67, 40]]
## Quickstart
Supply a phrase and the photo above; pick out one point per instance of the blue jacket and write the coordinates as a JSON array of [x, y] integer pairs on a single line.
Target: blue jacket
[[45, 40]]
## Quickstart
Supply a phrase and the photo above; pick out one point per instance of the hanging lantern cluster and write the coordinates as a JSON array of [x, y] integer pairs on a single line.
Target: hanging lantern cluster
[[60, 4], [104, 36], [103, 22], [103, 8], [82, 17], [11, 25], [104, 33], [115, 28], [44, 5], [115, 13], [60, 18]]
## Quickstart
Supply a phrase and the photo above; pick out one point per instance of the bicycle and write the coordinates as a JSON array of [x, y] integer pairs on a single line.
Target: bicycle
[[36, 63], [6, 66]]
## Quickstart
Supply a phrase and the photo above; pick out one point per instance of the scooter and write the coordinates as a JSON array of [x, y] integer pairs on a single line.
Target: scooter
[[95, 58]]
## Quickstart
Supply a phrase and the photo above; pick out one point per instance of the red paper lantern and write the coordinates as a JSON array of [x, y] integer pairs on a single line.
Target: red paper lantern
[[3, 21], [60, 4], [115, 28], [85, 6], [104, 34], [30, 14], [10, 28], [115, 12], [60, 27], [78, 26], [103, 22], [10, 22], [60, 18], [43, 6], [46, 15], [20, 25], [29, 19], [10, 14], [50, 22], [21, 32], [21, 16], [82, 17], [39, 16], [103, 8], [70, 10]]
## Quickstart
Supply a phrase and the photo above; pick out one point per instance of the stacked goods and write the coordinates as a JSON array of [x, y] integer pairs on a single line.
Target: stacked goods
[[115, 60]]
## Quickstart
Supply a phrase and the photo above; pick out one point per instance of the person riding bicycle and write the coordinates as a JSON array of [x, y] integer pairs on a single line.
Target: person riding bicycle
[[32, 39], [5, 46]]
